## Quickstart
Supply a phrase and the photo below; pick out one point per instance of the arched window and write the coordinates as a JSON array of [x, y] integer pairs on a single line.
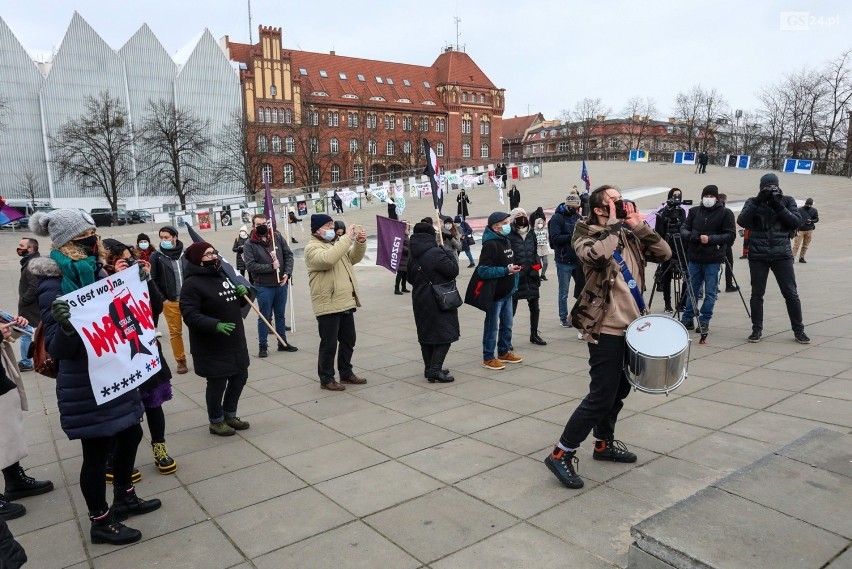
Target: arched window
[[260, 114], [353, 145], [439, 149], [372, 147], [268, 112], [483, 151], [463, 96], [424, 124], [262, 143], [334, 146], [289, 145], [484, 127], [406, 147], [276, 143], [465, 150], [289, 174], [266, 173], [440, 125], [335, 173], [274, 115], [315, 174], [288, 116], [390, 148]]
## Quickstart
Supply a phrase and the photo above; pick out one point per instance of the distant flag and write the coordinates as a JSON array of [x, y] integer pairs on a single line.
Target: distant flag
[[8, 214], [584, 175], [268, 206], [432, 170]]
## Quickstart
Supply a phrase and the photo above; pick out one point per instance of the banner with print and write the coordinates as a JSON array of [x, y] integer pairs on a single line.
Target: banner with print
[[381, 194], [390, 236], [347, 197], [113, 317]]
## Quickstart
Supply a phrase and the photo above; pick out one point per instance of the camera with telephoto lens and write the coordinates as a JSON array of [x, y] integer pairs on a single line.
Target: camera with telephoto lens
[[677, 202], [775, 192]]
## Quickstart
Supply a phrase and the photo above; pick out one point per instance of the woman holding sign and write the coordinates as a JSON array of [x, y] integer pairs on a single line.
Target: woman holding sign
[[114, 425]]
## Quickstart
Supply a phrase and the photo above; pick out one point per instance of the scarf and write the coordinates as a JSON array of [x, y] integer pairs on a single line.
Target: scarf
[[75, 274]]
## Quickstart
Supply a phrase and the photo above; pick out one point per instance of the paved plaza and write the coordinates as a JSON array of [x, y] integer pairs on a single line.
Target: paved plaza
[[401, 473]]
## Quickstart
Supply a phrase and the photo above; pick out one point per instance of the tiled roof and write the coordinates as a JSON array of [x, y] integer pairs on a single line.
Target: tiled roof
[[515, 127], [458, 67]]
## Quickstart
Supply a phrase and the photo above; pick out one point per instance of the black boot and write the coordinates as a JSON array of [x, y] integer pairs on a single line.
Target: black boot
[[126, 503], [436, 371], [10, 510], [536, 339], [135, 477], [19, 485], [105, 529]]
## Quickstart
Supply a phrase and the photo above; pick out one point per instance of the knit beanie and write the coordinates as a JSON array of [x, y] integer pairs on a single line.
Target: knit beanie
[[114, 247], [195, 252], [710, 190], [423, 228], [169, 229], [769, 179], [142, 237], [809, 201], [497, 217], [62, 225], [572, 200], [318, 220]]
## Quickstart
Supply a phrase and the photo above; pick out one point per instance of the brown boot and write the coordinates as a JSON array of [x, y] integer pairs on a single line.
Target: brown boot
[[181, 368]]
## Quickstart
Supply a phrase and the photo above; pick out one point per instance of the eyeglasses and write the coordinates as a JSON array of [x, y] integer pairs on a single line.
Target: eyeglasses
[[210, 254]]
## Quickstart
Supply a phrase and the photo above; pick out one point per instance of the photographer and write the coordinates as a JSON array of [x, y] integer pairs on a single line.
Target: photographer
[[771, 219], [670, 217], [708, 231]]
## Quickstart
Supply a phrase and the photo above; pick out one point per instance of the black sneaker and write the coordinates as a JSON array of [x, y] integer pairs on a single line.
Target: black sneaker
[[613, 450], [668, 309], [802, 260], [287, 348], [262, 352], [755, 337], [801, 337], [10, 510], [563, 464], [688, 324], [732, 288], [24, 367]]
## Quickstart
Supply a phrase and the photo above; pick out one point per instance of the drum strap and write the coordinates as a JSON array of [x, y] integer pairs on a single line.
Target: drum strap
[[631, 282]]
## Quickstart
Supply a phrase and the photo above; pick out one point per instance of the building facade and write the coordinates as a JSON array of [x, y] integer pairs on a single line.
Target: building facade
[[322, 119]]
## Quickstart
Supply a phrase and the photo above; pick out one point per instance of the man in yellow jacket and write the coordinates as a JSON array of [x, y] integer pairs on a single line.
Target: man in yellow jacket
[[334, 296]]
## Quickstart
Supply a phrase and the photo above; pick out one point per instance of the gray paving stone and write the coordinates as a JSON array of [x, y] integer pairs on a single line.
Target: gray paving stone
[[772, 427], [406, 438], [428, 403], [779, 379], [836, 388], [327, 407], [818, 408], [682, 479], [244, 487], [723, 451], [225, 457], [302, 436], [524, 435], [822, 448], [470, 418], [55, 546], [701, 412], [332, 460], [658, 434], [742, 394], [391, 391], [524, 401], [457, 459]]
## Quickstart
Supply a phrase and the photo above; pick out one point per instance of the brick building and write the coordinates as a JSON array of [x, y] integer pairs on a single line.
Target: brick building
[[326, 119], [514, 132]]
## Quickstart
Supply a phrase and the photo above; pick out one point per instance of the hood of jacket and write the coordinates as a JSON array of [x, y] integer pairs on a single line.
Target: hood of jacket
[[193, 270], [44, 267], [419, 243]]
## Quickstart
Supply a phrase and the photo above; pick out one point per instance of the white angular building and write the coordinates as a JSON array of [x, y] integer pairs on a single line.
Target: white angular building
[[41, 97]]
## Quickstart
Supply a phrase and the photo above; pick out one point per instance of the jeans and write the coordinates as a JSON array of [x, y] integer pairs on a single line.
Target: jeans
[[704, 275], [498, 327], [171, 310], [786, 278], [563, 274], [26, 340], [272, 301], [223, 395], [123, 447], [337, 336], [608, 388], [469, 256]]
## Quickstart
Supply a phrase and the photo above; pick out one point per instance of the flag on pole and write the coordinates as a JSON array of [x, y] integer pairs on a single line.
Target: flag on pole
[[8, 214], [584, 175], [390, 236], [268, 206], [432, 170], [228, 269]]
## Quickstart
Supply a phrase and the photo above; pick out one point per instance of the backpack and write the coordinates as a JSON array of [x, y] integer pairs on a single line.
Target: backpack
[[43, 363]]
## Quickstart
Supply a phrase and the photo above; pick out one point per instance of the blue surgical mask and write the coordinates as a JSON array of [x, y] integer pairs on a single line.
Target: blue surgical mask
[[143, 245], [329, 234], [506, 229], [167, 245]]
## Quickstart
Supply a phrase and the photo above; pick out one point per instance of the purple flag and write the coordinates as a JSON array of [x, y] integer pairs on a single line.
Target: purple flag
[[268, 207], [390, 235]]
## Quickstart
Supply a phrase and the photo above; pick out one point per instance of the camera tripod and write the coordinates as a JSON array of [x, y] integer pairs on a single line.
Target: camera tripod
[[729, 268], [676, 267]]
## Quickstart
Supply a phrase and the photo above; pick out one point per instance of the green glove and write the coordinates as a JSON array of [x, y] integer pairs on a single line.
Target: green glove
[[241, 290], [61, 312], [225, 328], [143, 274]]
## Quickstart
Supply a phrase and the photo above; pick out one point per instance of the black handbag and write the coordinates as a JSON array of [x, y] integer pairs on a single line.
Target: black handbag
[[470, 240], [480, 292], [446, 294]]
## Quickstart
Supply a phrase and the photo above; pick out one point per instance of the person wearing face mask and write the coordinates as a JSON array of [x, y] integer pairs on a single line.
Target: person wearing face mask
[[76, 260], [542, 246], [466, 238], [560, 229], [27, 301], [400, 282], [450, 235], [708, 231], [810, 217], [237, 247], [143, 248], [525, 253], [497, 261], [339, 229], [211, 307], [604, 310], [334, 297], [167, 274]]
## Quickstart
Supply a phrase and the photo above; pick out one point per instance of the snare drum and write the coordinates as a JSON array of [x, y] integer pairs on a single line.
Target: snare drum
[[657, 353]]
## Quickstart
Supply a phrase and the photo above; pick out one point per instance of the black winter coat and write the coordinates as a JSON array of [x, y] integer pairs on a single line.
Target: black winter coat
[[463, 202], [167, 268], [205, 300], [717, 223], [237, 248], [79, 414], [12, 555], [560, 229], [406, 254], [770, 228], [258, 259], [526, 255], [428, 261], [810, 217], [514, 198], [27, 286]]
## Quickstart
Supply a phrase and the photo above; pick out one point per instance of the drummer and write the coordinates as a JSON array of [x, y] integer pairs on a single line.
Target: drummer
[[614, 231]]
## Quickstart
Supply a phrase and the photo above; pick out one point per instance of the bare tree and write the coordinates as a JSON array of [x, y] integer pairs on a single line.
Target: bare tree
[[174, 149], [829, 119], [94, 150], [239, 163], [773, 115], [803, 93], [29, 187], [751, 134], [5, 109], [587, 115], [639, 113], [713, 109], [688, 107]]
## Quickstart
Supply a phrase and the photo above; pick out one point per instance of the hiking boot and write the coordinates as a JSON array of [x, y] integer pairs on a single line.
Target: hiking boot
[[536, 339], [237, 424], [106, 529], [493, 364], [397, 292], [445, 371], [287, 348], [10, 510], [688, 324], [406, 290], [564, 464], [801, 337], [126, 503], [755, 336], [164, 463], [135, 476], [440, 377], [510, 358], [19, 485], [333, 386], [222, 429], [262, 352], [613, 450], [181, 366]]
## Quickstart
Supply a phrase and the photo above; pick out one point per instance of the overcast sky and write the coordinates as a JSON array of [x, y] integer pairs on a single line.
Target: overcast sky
[[546, 54]]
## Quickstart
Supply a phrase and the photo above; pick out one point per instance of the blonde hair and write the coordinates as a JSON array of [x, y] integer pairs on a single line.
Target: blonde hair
[[76, 253]]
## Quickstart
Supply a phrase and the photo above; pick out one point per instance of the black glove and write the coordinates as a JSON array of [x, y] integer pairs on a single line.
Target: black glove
[[763, 196], [776, 202]]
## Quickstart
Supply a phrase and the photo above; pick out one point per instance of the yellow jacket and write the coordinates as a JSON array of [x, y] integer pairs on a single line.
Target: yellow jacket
[[331, 277]]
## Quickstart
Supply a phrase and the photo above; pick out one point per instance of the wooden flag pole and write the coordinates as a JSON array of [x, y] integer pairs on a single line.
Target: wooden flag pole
[[440, 226], [259, 313]]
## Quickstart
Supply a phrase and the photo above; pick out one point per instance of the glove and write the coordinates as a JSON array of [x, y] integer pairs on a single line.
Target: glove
[[762, 196], [61, 312], [241, 290], [143, 274], [536, 267], [225, 328], [776, 203]]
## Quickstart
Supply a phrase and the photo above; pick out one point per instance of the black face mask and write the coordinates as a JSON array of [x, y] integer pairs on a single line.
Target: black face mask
[[522, 222], [262, 230], [23, 252], [87, 243], [211, 263]]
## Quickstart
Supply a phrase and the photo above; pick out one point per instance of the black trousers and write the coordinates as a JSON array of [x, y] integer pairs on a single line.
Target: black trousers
[[534, 312], [608, 388], [400, 280], [786, 278], [123, 447], [729, 273], [433, 357], [337, 336], [223, 395]]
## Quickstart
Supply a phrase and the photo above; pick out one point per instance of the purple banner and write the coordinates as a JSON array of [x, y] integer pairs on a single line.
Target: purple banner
[[390, 235]]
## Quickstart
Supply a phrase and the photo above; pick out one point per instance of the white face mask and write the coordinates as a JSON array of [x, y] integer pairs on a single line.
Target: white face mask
[[708, 202], [448, 226], [329, 234]]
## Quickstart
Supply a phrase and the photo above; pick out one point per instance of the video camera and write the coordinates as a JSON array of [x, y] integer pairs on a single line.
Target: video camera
[[677, 202]]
